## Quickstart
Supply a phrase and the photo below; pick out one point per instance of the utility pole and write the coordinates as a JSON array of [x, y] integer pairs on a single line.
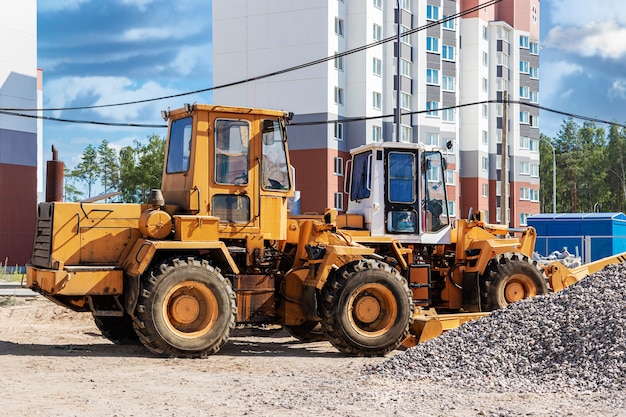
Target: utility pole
[[504, 177], [398, 114]]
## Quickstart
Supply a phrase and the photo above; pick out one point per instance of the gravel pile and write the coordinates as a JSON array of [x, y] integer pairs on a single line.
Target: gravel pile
[[574, 339]]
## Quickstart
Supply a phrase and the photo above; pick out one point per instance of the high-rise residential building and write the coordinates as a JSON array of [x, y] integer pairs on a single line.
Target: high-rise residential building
[[500, 54], [358, 92], [20, 142]]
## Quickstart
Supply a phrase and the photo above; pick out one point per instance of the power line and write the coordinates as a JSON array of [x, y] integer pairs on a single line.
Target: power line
[[90, 122], [282, 71]]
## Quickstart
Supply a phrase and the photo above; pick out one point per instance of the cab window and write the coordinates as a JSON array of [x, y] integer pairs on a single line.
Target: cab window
[[179, 146], [275, 168], [232, 138]]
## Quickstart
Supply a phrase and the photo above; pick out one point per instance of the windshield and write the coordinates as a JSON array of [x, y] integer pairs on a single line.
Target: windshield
[[179, 146], [360, 188], [435, 201], [275, 168]]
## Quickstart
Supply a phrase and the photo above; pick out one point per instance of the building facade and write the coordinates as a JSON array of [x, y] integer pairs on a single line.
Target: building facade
[[21, 164], [437, 74]]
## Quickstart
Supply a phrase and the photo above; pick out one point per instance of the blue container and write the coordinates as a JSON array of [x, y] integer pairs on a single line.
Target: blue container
[[604, 233]]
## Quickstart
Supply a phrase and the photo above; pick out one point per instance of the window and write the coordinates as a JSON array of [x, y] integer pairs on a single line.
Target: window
[[338, 166], [405, 4], [534, 195], [339, 95], [485, 33], [448, 83], [376, 100], [401, 174], [180, 141], [360, 185], [339, 201], [484, 163], [432, 107], [405, 101], [534, 170], [533, 145], [524, 67], [448, 24], [502, 59], [499, 109], [523, 219], [533, 72], [485, 59], [377, 3], [231, 151], [485, 111], [452, 142], [502, 84], [447, 115], [339, 62], [339, 131], [377, 32], [524, 92], [534, 48], [377, 134], [406, 133], [339, 26], [524, 193], [447, 52], [485, 190], [452, 208], [450, 177], [377, 66], [405, 68], [524, 168], [534, 120], [534, 97], [275, 170], [498, 188], [499, 136], [524, 142], [432, 76], [499, 162], [523, 41], [485, 137], [231, 208], [523, 117], [432, 44], [405, 38], [432, 12], [485, 85], [432, 139]]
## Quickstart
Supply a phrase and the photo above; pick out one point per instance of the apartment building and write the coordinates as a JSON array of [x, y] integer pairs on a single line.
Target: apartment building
[[254, 38], [20, 143]]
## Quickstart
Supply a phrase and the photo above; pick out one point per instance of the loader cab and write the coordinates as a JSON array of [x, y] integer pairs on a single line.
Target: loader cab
[[399, 190], [231, 163]]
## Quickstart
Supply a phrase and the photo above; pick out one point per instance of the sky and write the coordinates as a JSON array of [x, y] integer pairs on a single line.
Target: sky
[[95, 52]]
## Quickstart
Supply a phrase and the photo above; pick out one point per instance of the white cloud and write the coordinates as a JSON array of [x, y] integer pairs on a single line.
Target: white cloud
[[189, 58], [57, 5], [553, 79], [606, 39], [618, 89], [64, 92], [179, 30], [579, 13], [139, 4]]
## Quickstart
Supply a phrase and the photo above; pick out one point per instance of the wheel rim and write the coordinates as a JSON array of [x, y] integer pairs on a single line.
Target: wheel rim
[[372, 310], [519, 287], [190, 309]]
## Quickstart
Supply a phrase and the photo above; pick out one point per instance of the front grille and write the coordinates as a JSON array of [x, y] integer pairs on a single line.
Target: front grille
[[43, 236]]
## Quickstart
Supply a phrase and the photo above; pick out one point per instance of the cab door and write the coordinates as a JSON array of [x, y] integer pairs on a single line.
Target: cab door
[[401, 194]]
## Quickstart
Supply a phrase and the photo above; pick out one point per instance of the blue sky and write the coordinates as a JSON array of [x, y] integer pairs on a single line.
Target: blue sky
[[101, 52]]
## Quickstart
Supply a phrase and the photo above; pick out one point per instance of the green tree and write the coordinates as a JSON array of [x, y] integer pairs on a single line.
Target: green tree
[[141, 167], [616, 169], [546, 174], [109, 167], [88, 170], [70, 191]]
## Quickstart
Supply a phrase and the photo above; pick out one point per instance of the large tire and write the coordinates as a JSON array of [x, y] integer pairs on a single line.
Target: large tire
[[186, 309], [366, 308], [118, 330], [511, 277]]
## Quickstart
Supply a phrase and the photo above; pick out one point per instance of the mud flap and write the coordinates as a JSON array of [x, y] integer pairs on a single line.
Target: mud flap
[[131, 294]]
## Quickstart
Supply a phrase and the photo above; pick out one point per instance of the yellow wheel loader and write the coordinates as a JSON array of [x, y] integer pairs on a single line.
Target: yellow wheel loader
[[217, 246]]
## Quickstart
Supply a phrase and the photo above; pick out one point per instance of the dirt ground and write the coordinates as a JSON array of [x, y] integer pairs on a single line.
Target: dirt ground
[[55, 363]]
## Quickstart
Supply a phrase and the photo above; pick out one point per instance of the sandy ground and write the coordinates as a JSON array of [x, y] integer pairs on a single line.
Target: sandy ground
[[55, 363]]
